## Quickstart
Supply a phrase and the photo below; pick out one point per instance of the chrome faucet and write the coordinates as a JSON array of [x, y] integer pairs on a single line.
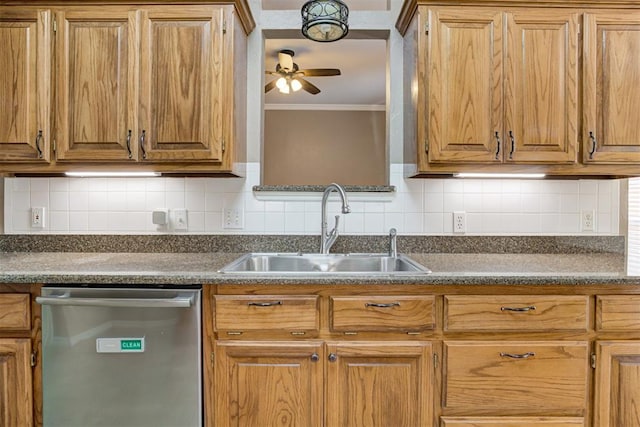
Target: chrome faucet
[[328, 238], [393, 244]]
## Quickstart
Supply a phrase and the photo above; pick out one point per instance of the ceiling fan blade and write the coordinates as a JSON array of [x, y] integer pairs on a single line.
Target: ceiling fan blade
[[311, 72], [309, 87], [285, 59], [270, 85]]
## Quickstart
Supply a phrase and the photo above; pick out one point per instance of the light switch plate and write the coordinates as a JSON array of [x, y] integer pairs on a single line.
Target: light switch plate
[[180, 221]]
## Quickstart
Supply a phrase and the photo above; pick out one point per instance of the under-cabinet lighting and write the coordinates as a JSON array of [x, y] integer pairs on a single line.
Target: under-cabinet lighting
[[111, 174], [499, 175]]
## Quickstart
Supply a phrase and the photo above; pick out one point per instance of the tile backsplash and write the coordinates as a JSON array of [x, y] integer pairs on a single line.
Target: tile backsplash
[[417, 207]]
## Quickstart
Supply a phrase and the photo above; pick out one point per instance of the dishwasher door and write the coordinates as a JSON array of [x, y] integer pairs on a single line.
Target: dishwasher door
[[121, 357]]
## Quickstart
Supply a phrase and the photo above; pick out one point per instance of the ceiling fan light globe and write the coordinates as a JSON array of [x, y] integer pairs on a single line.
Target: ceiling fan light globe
[[296, 85], [285, 89], [281, 83], [325, 20]]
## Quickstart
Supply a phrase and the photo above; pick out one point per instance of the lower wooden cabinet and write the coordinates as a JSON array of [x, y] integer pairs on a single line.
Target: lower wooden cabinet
[[306, 384], [16, 395], [617, 384], [512, 422]]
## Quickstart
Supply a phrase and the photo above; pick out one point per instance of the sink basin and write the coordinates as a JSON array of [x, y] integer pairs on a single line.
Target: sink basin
[[284, 263]]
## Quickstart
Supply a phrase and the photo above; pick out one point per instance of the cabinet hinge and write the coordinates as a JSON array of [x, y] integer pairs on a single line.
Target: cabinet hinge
[[224, 145], [426, 146], [55, 25], [54, 145], [34, 359], [426, 28], [212, 359], [593, 360], [224, 26], [435, 360]]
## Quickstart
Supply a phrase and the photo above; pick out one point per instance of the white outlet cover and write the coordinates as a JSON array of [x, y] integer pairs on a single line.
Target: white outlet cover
[[180, 220]]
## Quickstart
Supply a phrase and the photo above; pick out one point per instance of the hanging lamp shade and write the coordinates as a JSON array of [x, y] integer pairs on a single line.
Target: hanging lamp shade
[[325, 20]]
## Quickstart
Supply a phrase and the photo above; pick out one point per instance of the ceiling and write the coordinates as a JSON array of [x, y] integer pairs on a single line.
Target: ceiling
[[362, 64]]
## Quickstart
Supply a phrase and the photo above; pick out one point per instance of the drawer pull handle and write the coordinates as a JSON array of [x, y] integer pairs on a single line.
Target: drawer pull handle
[[518, 356], [264, 304], [332, 357], [381, 305], [518, 309]]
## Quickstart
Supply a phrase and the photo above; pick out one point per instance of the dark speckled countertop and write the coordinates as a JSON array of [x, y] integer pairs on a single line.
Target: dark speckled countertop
[[202, 268]]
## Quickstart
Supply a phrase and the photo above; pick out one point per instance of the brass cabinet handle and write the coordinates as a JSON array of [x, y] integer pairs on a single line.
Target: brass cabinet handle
[[498, 150], [264, 304], [519, 309], [381, 305], [518, 356], [38, 138], [594, 144]]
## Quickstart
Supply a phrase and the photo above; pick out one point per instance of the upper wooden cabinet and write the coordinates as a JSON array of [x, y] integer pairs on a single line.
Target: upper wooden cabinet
[[496, 86], [25, 60], [499, 86], [136, 87], [611, 87]]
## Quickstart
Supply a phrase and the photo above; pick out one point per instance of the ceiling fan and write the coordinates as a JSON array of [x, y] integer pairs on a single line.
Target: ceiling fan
[[290, 76]]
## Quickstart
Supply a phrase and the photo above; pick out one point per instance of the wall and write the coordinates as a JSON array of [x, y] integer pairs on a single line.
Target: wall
[[304, 147], [419, 206]]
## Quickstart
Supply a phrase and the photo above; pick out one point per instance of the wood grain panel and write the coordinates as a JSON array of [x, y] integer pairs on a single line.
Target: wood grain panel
[[541, 86], [516, 313], [617, 397], [268, 384], [25, 64], [498, 375], [269, 312], [379, 384], [512, 422], [96, 84], [611, 87], [382, 313], [16, 404], [15, 314], [618, 313]]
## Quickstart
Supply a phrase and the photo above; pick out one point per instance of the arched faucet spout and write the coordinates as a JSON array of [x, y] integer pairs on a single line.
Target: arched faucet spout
[[328, 238]]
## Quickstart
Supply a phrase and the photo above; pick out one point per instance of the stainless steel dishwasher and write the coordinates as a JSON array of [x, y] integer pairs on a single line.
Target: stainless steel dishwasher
[[124, 356]]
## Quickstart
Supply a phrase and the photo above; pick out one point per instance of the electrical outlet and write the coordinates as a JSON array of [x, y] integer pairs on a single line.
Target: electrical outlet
[[180, 221], [37, 217], [233, 217], [459, 222], [588, 220]]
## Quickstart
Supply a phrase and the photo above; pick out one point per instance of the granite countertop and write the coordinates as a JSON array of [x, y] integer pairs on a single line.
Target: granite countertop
[[202, 268]]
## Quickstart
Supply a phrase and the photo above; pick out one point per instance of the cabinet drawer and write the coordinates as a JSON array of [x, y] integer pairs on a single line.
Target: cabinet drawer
[[15, 313], [512, 422], [515, 312], [618, 313], [266, 312], [382, 313], [533, 376]]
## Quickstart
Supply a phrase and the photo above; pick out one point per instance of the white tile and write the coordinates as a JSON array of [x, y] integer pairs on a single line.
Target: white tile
[[274, 222], [98, 221], [492, 223], [588, 201], [433, 223], [58, 221], [550, 223], [312, 222], [472, 202], [413, 223], [195, 221], [414, 185], [274, 206], [136, 184], [78, 201], [58, 184], [213, 202], [136, 201], [154, 200], [155, 184], [472, 185], [530, 224], [492, 186], [588, 187], [213, 222], [434, 202], [413, 202], [453, 202], [195, 184], [491, 202], [294, 222], [117, 201], [97, 184], [251, 204], [570, 223], [549, 203], [40, 198], [21, 220], [374, 223], [373, 207], [174, 184], [453, 186], [19, 184], [195, 201], [19, 200], [434, 186], [474, 223], [294, 206], [530, 203], [354, 223], [79, 221], [511, 186], [569, 203], [511, 203], [98, 201], [118, 185], [40, 185], [78, 184], [604, 223], [394, 220], [529, 186], [59, 201], [174, 199]]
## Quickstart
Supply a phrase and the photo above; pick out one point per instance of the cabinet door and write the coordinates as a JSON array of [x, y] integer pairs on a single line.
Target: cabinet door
[[541, 87], [181, 83], [617, 389], [512, 422], [96, 53], [611, 87], [379, 384], [15, 382], [24, 85], [268, 384], [464, 79]]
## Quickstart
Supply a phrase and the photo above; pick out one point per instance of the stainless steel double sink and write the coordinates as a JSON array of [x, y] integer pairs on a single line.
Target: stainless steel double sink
[[315, 263]]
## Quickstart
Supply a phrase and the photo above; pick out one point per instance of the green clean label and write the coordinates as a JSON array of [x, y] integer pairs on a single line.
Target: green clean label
[[131, 345]]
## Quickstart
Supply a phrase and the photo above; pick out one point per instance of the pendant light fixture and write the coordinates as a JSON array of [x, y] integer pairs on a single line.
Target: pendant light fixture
[[325, 20]]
